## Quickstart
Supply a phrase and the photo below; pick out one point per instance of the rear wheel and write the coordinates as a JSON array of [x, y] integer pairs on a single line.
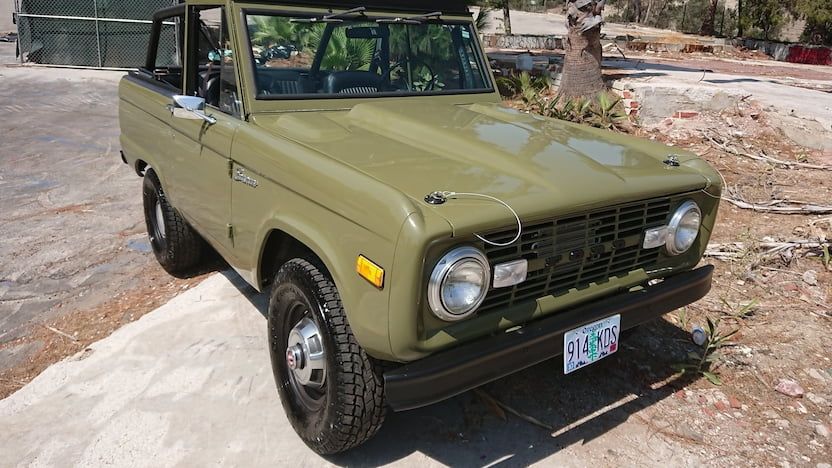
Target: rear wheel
[[176, 245], [331, 390]]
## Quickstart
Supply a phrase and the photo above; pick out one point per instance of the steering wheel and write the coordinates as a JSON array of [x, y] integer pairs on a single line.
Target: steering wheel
[[430, 83]]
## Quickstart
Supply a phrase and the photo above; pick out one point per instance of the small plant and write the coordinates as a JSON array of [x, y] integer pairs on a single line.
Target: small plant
[[682, 318], [602, 112], [703, 363], [607, 112], [827, 258], [524, 85], [742, 310]]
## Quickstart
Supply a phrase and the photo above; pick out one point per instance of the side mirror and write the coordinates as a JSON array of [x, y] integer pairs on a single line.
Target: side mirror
[[190, 108]]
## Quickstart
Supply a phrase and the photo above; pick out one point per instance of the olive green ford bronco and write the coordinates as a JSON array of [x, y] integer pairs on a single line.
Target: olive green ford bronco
[[418, 239]]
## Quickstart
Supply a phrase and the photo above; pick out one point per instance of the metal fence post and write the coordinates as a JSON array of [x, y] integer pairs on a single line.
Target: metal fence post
[[97, 32], [17, 23]]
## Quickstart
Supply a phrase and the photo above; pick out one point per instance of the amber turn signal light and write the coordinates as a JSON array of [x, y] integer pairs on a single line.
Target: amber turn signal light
[[370, 271]]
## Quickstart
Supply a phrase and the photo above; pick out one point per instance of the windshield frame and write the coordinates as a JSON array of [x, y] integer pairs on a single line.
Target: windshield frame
[[489, 89]]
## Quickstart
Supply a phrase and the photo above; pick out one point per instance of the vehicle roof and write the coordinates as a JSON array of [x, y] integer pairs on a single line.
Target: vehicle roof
[[417, 6]]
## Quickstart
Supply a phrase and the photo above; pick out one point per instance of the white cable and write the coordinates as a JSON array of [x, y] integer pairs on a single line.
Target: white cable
[[451, 195], [724, 186]]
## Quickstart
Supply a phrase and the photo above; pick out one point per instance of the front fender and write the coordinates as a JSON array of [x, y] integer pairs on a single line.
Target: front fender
[[338, 246]]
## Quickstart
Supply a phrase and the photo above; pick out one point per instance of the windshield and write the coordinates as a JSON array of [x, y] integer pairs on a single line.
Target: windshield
[[360, 57]]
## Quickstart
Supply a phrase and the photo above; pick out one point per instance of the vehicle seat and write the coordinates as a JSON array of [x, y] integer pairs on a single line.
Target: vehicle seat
[[352, 82], [209, 88], [276, 81]]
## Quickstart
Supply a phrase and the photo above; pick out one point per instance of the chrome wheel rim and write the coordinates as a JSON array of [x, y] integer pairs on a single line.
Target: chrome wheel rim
[[160, 220], [305, 357]]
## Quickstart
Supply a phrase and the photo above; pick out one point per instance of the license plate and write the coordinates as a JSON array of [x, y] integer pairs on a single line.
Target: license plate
[[590, 343]]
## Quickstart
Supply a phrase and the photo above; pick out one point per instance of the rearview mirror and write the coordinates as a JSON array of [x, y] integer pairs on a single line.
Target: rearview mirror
[[190, 108], [368, 32]]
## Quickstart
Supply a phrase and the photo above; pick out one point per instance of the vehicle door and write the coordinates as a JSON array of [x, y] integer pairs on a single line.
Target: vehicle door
[[202, 148], [146, 94]]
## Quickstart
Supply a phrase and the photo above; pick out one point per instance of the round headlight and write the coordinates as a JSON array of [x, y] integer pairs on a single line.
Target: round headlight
[[683, 228], [459, 283]]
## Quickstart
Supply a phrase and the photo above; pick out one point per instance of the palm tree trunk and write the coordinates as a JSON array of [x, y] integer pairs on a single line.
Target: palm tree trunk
[[739, 19], [507, 18], [708, 24], [582, 64]]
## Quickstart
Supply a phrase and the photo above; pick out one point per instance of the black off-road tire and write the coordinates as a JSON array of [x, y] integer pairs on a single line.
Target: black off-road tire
[[177, 247], [351, 407]]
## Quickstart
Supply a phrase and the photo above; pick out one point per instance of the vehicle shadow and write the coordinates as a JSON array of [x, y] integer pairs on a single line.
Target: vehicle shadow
[[467, 430], [210, 262]]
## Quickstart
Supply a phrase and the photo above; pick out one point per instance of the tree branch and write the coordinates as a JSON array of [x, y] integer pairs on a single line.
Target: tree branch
[[769, 159]]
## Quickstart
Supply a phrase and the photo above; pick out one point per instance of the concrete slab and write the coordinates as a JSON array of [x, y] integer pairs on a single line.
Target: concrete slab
[[805, 115], [190, 384]]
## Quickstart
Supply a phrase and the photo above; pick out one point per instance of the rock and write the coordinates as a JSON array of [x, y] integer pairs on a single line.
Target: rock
[[799, 407], [817, 374], [689, 433], [823, 465], [822, 430], [769, 414], [791, 287], [810, 277], [734, 402], [789, 388], [782, 424], [817, 399]]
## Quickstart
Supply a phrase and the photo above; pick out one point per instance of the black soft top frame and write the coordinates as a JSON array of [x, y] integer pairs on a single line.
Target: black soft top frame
[[447, 7]]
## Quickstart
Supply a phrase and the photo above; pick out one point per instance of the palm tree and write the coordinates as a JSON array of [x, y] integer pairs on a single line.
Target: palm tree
[[271, 31], [582, 62], [708, 24], [488, 5], [343, 53]]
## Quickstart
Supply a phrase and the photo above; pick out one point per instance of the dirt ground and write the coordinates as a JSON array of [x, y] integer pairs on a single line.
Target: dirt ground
[[75, 267], [779, 304], [765, 396]]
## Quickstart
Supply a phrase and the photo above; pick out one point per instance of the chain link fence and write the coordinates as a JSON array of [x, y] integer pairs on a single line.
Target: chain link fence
[[86, 33]]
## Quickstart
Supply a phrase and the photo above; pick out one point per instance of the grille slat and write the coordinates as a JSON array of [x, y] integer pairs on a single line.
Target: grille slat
[[577, 251]]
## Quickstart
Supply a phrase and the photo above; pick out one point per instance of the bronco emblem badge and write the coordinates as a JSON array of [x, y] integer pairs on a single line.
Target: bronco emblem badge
[[240, 176]]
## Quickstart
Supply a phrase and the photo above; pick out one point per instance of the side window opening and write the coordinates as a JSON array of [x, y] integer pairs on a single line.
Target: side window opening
[[216, 79], [165, 62]]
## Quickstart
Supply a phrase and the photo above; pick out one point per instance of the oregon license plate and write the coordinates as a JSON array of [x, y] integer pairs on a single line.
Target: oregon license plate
[[590, 343]]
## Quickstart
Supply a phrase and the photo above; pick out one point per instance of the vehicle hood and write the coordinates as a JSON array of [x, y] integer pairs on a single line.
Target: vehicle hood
[[540, 167]]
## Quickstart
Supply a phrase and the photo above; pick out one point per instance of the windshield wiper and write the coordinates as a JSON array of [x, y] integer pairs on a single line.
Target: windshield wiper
[[333, 18], [418, 19]]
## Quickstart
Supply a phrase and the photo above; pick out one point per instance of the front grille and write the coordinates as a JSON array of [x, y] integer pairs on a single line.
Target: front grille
[[577, 251]]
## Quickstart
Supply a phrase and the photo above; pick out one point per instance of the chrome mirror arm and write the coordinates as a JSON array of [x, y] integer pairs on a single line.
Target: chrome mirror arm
[[210, 120], [191, 108]]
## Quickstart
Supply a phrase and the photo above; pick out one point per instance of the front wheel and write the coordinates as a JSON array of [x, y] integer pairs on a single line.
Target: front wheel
[[331, 390]]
